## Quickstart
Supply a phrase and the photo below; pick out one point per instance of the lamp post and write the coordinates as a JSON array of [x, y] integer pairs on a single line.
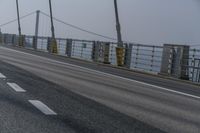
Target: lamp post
[[120, 50], [53, 45], [118, 27], [19, 26], [51, 16], [36, 29]]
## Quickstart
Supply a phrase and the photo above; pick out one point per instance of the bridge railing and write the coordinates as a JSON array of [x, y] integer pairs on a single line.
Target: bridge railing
[[82, 49], [146, 57], [140, 57], [194, 65]]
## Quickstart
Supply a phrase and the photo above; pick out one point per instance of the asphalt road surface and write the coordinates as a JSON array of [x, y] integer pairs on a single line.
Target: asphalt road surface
[[81, 99]]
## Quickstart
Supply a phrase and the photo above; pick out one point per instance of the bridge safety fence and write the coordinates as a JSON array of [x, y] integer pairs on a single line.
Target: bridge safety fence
[[140, 57]]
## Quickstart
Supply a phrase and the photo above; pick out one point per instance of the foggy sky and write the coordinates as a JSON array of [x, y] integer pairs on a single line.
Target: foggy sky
[[142, 21]]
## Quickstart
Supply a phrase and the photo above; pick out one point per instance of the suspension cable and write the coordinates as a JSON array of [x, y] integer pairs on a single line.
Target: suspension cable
[[22, 17], [78, 28]]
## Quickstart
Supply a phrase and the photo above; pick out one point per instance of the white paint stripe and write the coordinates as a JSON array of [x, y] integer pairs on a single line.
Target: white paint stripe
[[16, 87], [107, 74], [2, 76], [42, 107]]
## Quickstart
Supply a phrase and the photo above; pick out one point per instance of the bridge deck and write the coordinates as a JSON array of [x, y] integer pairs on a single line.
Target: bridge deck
[[169, 105]]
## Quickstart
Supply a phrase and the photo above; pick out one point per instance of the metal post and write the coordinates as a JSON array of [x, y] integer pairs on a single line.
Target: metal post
[[19, 26], [106, 53], [1, 38], [198, 72], [197, 69], [118, 27], [137, 56], [128, 56], [95, 51], [170, 61], [152, 58], [193, 64], [53, 42], [69, 48], [120, 50], [52, 25], [36, 29]]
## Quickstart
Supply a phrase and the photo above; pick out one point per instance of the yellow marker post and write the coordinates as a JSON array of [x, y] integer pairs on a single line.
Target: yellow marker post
[[53, 45], [21, 41], [54, 49], [120, 54]]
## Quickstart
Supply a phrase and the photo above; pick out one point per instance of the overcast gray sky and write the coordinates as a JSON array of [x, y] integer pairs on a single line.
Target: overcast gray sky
[[143, 21]]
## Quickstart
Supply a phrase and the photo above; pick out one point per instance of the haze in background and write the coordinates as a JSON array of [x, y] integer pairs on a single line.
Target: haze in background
[[142, 21]]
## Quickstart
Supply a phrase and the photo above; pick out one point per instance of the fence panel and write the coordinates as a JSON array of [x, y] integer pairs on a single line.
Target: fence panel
[[42, 43], [28, 42], [147, 58], [62, 45], [194, 65], [82, 49]]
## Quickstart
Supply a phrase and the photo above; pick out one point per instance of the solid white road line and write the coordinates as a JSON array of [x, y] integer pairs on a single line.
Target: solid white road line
[[42, 107], [2, 76], [16, 87], [106, 74]]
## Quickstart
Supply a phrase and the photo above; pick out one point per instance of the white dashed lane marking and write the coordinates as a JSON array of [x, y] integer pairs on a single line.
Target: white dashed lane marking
[[42, 107], [16, 87], [2, 76]]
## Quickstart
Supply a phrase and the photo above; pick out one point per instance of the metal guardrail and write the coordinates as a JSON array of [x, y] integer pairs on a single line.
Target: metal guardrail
[[82, 49], [143, 57], [194, 65], [138, 56]]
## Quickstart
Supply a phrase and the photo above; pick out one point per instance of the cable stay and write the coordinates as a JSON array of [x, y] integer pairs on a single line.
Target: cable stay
[[12, 21], [78, 28]]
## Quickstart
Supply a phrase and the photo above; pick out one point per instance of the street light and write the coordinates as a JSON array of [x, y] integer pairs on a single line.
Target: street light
[[118, 27], [52, 25], [120, 50], [53, 45], [19, 26]]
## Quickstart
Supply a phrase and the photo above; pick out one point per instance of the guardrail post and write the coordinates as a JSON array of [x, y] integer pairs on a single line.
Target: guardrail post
[[48, 44], [5, 38], [167, 60], [128, 55], [15, 41], [1, 37], [137, 56], [95, 51], [152, 58], [35, 42], [106, 53], [120, 54], [193, 64], [197, 65], [170, 61], [69, 48], [177, 57], [198, 72], [101, 52], [184, 64], [21, 41]]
